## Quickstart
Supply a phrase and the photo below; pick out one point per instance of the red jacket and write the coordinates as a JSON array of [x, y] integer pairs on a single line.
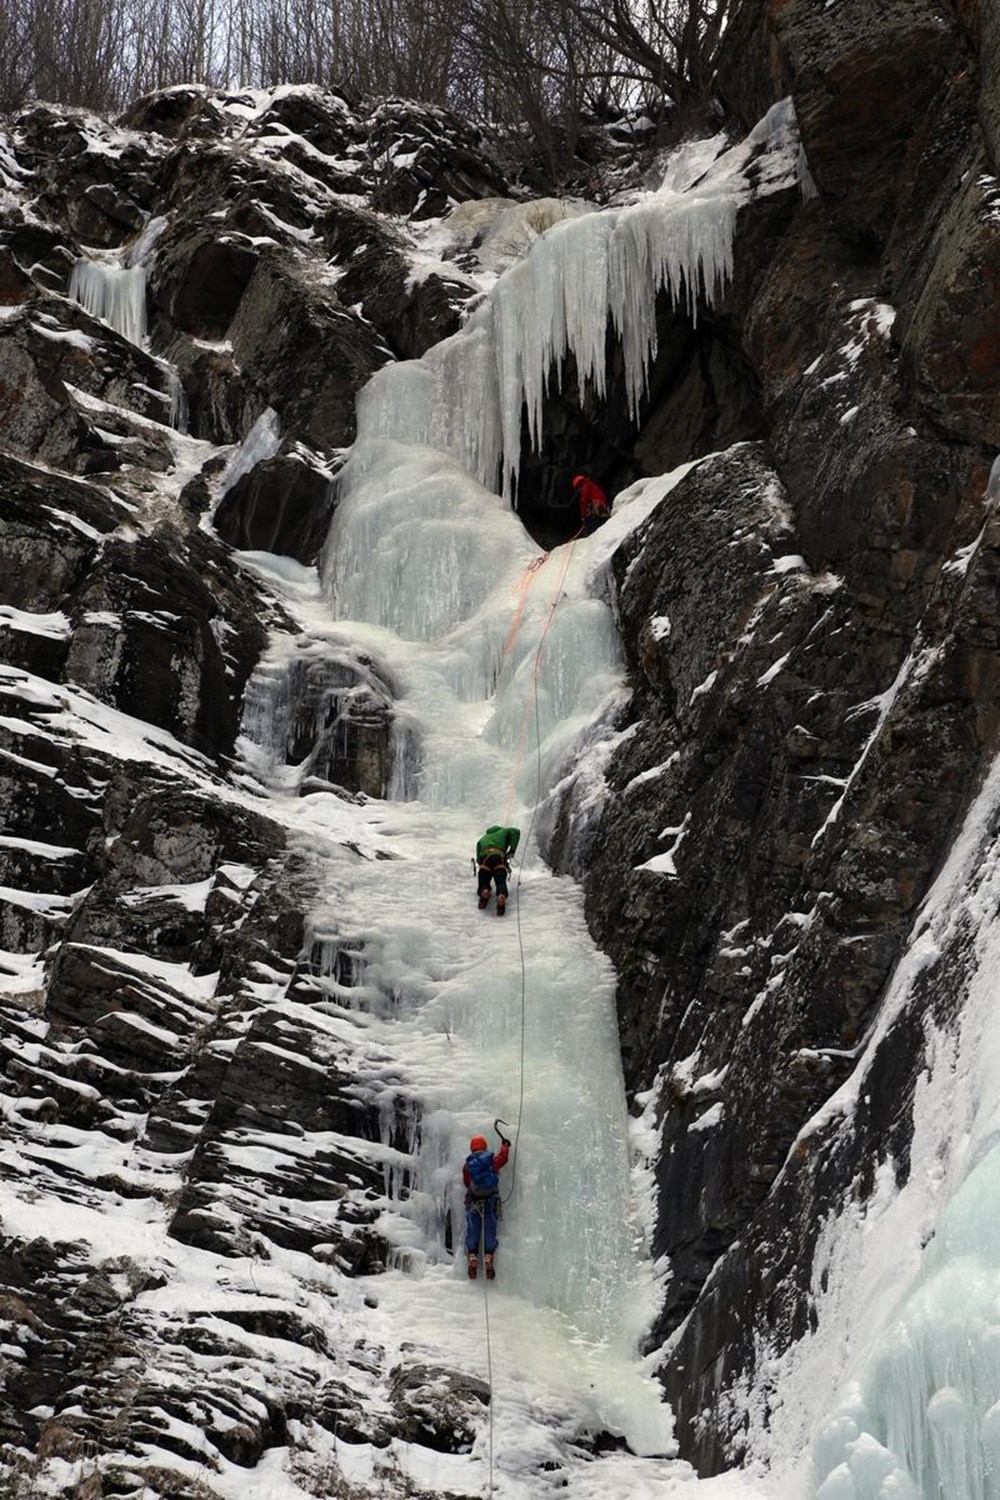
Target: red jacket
[[499, 1161], [593, 500]]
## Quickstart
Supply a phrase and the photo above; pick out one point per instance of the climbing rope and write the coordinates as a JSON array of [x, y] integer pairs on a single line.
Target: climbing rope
[[532, 695], [531, 704], [486, 1319], [523, 590]]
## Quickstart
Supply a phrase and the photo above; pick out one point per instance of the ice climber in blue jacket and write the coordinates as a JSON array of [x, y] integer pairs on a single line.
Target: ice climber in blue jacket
[[482, 1199]]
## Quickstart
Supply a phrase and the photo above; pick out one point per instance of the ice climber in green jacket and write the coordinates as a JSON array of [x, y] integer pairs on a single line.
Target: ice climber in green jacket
[[492, 855]]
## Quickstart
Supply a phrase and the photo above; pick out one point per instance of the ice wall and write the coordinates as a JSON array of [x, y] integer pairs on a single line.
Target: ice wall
[[506, 667], [435, 579], [896, 1389], [114, 288]]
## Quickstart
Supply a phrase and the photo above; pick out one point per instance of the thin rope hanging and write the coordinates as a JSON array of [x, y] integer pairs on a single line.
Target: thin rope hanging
[[532, 695], [530, 701]]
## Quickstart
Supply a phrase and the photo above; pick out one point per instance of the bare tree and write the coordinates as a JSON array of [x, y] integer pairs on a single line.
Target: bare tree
[[534, 65]]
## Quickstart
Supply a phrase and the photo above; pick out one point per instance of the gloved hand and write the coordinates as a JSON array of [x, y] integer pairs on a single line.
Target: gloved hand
[[505, 1142]]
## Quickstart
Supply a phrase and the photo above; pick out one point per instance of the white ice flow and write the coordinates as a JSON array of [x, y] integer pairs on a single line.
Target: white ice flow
[[506, 671], [429, 572], [114, 293], [111, 285], [506, 675], [466, 396]]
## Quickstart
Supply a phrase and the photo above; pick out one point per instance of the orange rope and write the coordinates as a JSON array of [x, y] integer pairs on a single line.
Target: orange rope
[[533, 691], [523, 589]]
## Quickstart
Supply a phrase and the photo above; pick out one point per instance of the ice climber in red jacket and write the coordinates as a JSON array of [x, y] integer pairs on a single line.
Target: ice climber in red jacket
[[593, 502]]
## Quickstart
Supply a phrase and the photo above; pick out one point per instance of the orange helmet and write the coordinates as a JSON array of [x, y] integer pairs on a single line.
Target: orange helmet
[[478, 1143], [579, 479]]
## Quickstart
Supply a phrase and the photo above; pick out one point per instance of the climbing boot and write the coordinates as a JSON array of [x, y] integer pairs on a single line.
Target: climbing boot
[[501, 905], [490, 1271], [474, 1268], [483, 902]]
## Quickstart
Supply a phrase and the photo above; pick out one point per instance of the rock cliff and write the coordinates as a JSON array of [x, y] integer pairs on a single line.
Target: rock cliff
[[811, 624]]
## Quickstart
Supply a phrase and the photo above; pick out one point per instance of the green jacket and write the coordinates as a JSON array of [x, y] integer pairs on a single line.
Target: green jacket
[[503, 839]]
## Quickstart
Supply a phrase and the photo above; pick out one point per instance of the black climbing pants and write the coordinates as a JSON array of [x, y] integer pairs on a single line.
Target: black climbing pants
[[493, 867]]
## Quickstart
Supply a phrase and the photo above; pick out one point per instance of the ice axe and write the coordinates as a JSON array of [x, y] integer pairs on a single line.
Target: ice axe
[[496, 1126]]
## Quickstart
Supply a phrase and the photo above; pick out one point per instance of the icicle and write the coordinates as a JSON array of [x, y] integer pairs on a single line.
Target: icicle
[[466, 397], [116, 294]]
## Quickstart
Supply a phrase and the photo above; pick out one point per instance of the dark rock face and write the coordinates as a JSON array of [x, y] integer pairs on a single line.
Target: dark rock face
[[425, 158], [103, 196], [810, 624], [52, 357], [315, 398], [862, 81], [951, 338], [158, 626], [283, 504], [985, 26]]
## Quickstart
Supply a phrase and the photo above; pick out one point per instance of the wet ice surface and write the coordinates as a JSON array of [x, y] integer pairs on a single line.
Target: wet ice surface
[[439, 995]]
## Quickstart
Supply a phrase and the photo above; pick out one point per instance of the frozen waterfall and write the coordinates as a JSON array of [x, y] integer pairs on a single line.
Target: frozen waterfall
[[114, 293], [507, 669], [111, 285], [452, 565], [506, 672], [467, 397]]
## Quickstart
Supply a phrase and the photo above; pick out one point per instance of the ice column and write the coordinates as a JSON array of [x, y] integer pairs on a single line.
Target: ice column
[[115, 291], [116, 294]]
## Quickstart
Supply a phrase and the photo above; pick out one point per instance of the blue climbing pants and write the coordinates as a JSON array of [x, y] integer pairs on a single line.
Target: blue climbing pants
[[480, 1224]]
